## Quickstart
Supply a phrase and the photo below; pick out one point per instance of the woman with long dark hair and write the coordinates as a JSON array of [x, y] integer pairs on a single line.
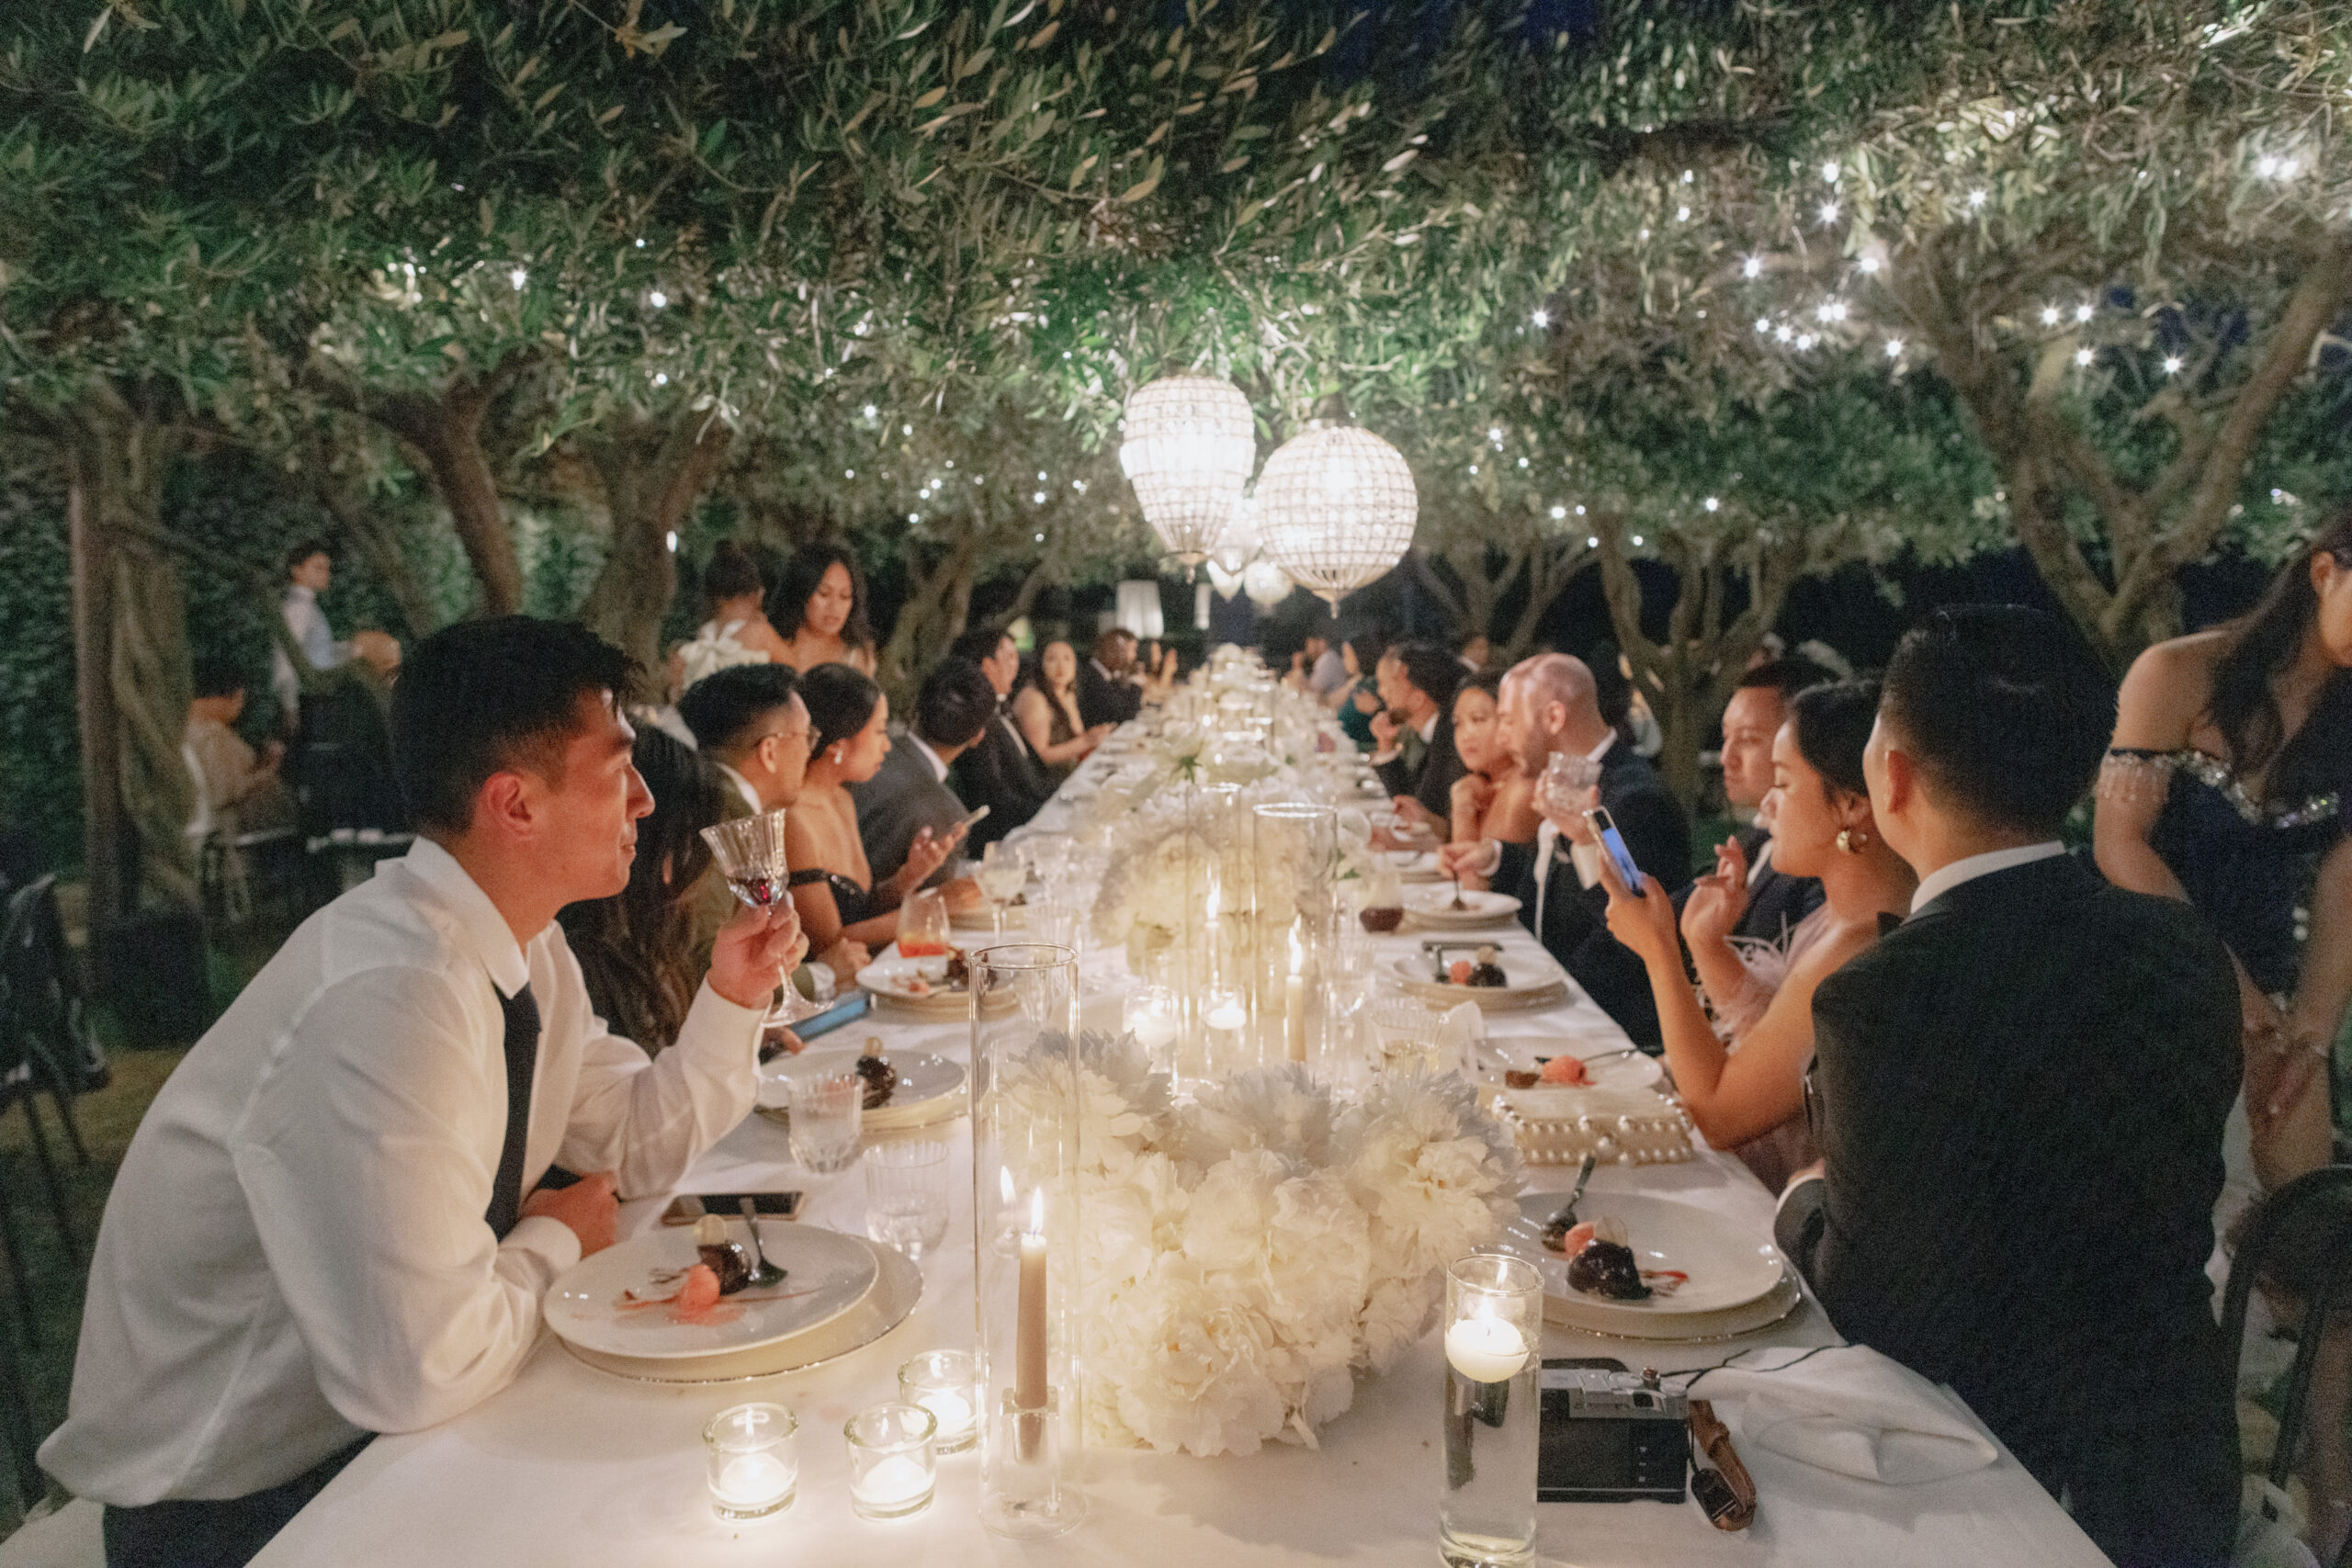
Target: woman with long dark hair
[[636, 948], [1741, 1073], [1047, 709], [819, 609], [832, 882], [2225, 787]]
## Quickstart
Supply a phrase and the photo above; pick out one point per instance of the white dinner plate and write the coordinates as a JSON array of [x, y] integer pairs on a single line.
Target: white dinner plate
[[827, 1274], [914, 985], [1532, 982], [1433, 906], [1731, 1268], [1610, 1069], [898, 1286], [1413, 865], [929, 1088]]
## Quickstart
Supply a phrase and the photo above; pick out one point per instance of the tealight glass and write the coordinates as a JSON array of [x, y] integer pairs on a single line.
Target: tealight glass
[[1154, 1016], [754, 1455], [892, 1464], [942, 1382], [1494, 1349]]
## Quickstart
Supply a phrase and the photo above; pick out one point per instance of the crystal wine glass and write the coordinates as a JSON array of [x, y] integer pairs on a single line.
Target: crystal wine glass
[[1001, 876], [1568, 785], [750, 851], [923, 924]]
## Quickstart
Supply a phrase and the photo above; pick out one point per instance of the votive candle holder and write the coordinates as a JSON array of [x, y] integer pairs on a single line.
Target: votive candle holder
[[943, 1383], [754, 1455], [892, 1465]]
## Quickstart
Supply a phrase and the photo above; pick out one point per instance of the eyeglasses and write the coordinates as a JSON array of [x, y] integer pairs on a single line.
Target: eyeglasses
[[806, 735]]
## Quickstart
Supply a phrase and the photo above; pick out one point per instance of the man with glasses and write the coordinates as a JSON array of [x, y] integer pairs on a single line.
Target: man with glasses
[[749, 720]]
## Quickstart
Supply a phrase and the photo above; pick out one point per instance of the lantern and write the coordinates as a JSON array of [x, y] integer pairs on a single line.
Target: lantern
[[1336, 506], [1189, 444]]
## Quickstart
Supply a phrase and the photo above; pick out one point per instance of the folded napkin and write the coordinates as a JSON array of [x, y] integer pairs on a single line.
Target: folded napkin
[[1460, 1032], [1851, 1410]]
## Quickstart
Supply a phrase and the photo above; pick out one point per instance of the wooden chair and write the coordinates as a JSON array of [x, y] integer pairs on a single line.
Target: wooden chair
[[36, 1031]]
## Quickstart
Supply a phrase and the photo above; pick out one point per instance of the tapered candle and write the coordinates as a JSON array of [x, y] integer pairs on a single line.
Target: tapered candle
[[1029, 1344], [1294, 1002]]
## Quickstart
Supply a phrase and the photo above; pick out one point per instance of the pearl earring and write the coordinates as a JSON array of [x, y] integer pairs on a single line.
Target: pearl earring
[[1853, 840]]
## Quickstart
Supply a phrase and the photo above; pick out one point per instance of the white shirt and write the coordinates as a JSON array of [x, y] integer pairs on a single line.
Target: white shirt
[[938, 768], [295, 1251], [308, 625], [744, 787], [1938, 882]]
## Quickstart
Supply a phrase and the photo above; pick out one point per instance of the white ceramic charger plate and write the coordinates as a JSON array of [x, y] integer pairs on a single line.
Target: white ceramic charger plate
[[827, 1274], [898, 1286], [1534, 982], [1413, 865], [929, 1088], [1432, 905], [886, 978], [1738, 1283], [1610, 1069]]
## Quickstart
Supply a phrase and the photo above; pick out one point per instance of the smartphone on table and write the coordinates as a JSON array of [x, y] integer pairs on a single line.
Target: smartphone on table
[[688, 1207], [1604, 828]]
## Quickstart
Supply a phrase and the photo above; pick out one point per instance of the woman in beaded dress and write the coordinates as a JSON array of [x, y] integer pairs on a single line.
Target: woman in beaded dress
[[2226, 787]]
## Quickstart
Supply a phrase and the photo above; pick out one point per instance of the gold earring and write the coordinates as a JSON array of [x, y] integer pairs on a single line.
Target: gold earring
[[1853, 840]]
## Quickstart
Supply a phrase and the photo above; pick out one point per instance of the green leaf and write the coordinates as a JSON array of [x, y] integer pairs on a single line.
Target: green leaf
[[975, 62], [931, 98]]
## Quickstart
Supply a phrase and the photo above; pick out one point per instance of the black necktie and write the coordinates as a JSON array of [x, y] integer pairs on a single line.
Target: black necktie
[[521, 1062]]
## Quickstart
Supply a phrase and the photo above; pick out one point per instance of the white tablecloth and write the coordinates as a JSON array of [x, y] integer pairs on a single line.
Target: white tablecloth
[[570, 1467]]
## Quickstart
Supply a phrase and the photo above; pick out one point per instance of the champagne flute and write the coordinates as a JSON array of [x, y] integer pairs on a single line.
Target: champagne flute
[[750, 851], [1001, 878]]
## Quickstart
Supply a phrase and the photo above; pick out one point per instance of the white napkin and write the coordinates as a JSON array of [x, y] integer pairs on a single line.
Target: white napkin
[[1459, 1034], [1851, 1410]]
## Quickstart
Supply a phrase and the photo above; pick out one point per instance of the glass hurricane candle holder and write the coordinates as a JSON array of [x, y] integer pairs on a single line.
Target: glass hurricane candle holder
[[892, 1466], [754, 1459], [1295, 863], [1154, 1016], [1025, 1230], [1494, 1339], [941, 1382]]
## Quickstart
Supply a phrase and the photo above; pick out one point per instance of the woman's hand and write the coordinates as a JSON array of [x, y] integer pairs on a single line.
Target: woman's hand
[[925, 855], [1643, 920], [1718, 899], [846, 957], [1473, 796]]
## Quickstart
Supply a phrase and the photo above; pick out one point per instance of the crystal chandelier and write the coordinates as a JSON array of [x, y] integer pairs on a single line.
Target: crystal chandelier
[[1266, 584], [1189, 444], [1336, 506]]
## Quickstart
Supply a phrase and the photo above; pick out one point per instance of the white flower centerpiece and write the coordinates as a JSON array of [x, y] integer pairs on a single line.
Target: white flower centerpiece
[[1248, 1252]]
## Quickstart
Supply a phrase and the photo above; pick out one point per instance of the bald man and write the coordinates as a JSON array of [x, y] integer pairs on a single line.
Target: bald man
[[1550, 704]]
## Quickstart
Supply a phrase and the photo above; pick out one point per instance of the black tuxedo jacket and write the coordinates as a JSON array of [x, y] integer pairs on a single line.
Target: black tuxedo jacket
[[1576, 929], [1003, 773], [1101, 701], [2020, 1092], [1431, 783]]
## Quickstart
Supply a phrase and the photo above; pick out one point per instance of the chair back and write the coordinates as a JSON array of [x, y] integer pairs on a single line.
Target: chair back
[[44, 1011], [199, 823], [2300, 1240]]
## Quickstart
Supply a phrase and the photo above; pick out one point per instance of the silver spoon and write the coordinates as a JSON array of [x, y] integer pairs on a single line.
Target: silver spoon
[[768, 1274], [1566, 1214], [1457, 902]]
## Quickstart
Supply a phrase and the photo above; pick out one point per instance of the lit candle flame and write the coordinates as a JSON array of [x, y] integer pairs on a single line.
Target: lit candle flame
[[1037, 1212], [1005, 1179], [1297, 952]]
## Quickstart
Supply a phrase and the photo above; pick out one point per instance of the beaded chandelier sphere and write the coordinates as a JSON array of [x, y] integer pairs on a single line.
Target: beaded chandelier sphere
[[1266, 584], [1336, 507], [1189, 444]]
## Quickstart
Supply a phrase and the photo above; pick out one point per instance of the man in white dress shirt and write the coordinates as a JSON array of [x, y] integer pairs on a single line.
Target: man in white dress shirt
[[321, 1230]]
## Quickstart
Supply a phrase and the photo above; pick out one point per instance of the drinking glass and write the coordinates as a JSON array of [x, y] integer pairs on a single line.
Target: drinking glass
[[1048, 855], [1494, 1336], [828, 1118], [942, 1383], [753, 1460], [1568, 784], [749, 853], [906, 1194], [1405, 1036], [1353, 958], [1001, 876], [923, 924]]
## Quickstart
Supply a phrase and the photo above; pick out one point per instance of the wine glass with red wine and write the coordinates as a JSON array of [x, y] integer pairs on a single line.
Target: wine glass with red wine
[[750, 851]]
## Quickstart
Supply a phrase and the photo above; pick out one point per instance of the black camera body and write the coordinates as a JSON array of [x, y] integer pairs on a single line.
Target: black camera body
[[1611, 1436]]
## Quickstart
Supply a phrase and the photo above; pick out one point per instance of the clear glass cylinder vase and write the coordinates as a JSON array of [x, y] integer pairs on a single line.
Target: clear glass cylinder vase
[[1025, 1234], [1294, 862]]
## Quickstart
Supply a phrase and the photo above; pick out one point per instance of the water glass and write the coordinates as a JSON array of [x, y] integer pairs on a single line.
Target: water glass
[[827, 1111], [892, 1465], [1567, 783], [754, 1455], [1405, 1037], [1494, 1338], [943, 1383], [1154, 1016], [923, 924], [906, 1194]]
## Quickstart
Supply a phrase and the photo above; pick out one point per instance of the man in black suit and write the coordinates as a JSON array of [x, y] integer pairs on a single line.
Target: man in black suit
[[1776, 902], [909, 792], [1002, 771], [2020, 1093], [1549, 704], [1413, 739], [1108, 692]]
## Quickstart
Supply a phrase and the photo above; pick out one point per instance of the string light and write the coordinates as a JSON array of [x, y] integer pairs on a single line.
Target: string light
[[660, 377], [673, 541], [1830, 172], [1579, 509], [2049, 315], [1682, 215], [1752, 267], [2172, 363], [1978, 198], [1804, 340], [518, 277], [1784, 332], [1558, 512], [1637, 541], [1542, 319], [1712, 505], [2082, 357], [1870, 264], [1829, 213], [871, 411], [2083, 313], [657, 300], [1591, 541], [1894, 348], [1763, 323]]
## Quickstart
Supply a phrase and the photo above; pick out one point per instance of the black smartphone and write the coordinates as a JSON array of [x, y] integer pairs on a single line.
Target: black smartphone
[[1604, 828], [846, 1009], [688, 1207]]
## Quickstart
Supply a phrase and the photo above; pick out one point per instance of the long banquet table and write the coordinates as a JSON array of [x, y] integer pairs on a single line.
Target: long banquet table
[[570, 1467]]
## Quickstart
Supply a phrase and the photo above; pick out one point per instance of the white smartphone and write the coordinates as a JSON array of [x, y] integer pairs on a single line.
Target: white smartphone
[[1605, 830]]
